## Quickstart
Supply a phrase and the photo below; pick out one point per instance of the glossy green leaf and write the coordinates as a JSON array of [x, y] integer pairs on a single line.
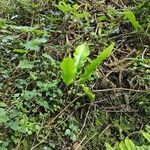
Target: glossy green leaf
[[122, 146], [129, 144], [80, 55], [95, 63], [68, 68]]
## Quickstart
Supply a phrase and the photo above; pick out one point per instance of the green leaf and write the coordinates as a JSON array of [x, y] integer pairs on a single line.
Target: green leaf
[[43, 103], [20, 50], [130, 15], [81, 15], [67, 132], [27, 29], [28, 95], [25, 64], [14, 125], [68, 70], [147, 136], [53, 61], [67, 8], [122, 146], [2, 104], [2, 22], [3, 115], [33, 75], [80, 55], [108, 146], [129, 144], [35, 44], [95, 63], [89, 93]]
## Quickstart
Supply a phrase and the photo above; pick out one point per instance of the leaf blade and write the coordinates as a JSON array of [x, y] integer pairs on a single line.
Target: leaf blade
[[122, 146], [95, 63], [130, 15], [80, 55], [129, 144], [68, 70]]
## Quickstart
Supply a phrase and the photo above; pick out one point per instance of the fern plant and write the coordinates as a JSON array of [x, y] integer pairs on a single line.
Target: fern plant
[[71, 67]]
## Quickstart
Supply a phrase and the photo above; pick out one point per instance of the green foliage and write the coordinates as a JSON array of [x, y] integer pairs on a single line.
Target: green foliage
[[36, 111], [122, 146], [71, 66], [72, 10], [71, 132], [22, 51], [147, 136], [2, 22], [3, 115], [66, 8], [68, 70], [25, 64], [80, 55], [88, 92], [35, 44], [128, 144], [131, 17], [26, 29], [95, 63]]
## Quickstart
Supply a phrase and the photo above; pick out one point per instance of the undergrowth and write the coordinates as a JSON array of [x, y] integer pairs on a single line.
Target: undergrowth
[[74, 75]]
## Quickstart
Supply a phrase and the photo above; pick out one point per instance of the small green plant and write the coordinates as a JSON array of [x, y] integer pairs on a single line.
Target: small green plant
[[128, 144], [72, 67], [72, 10], [131, 17]]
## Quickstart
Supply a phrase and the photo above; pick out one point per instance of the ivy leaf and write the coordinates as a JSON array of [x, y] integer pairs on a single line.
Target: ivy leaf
[[68, 70], [25, 64], [3, 115], [129, 144], [43, 103], [95, 63], [67, 132], [53, 62], [80, 55], [35, 44]]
